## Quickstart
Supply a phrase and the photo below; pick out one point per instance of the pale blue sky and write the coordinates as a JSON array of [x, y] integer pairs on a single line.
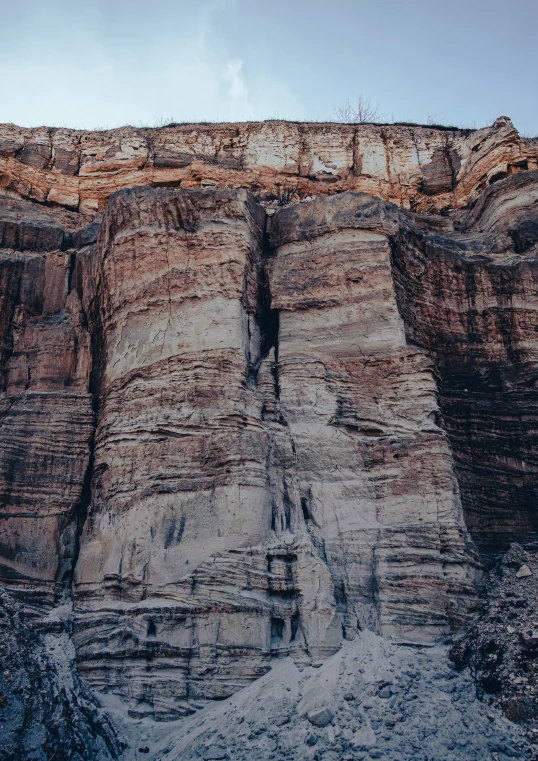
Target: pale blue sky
[[104, 63]]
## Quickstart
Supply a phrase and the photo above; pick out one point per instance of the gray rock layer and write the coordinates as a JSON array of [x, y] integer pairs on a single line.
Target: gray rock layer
[[501, 647]]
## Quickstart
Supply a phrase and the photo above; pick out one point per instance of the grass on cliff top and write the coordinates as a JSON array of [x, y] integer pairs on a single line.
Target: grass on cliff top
[[172, 124]]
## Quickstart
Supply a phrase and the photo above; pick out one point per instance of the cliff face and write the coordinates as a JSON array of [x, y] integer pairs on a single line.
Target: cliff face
[[235, 428]]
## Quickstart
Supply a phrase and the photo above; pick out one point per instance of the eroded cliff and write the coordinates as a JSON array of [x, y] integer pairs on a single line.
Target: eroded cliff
[[414, 167], [240, 422]]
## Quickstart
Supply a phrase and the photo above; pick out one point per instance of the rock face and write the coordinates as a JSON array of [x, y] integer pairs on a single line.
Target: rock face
[[468, 296], [502, 645], [419, 168], [232, 433], [45, 710], [191, 558], [46, 407], [374, 470]]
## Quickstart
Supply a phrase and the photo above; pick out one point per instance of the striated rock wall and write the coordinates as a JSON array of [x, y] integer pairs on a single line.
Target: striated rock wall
[[468, 294], [234, 431], [266, 463], [374, 469], [415, 167], [47, 420]]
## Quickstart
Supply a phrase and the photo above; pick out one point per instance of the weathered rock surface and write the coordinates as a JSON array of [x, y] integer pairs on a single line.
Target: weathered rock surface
[[415, 167], [323, 417], [502, 645], [46, 712], [47, 419], [189, 574], [468, 295], [374, 469], [235, 432]]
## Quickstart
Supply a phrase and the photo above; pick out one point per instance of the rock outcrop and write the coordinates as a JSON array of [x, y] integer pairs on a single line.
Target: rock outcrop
[[47, 420], [414, 167], [237, 425], [191, 560], [502, 645], [375, 471], [46, 711], [468, 295]]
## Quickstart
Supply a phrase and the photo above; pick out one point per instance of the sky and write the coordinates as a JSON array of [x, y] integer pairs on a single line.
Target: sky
[[105, 63]]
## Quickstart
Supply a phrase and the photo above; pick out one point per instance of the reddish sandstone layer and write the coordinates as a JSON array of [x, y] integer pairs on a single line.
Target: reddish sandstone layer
[[422, 168]]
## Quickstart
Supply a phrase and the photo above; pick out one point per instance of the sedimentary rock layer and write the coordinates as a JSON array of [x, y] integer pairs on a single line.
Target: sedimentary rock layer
[[374, 469], [261, 416], [189, 575], [47, 419], [236, 433], [468, 294], [415, 167]]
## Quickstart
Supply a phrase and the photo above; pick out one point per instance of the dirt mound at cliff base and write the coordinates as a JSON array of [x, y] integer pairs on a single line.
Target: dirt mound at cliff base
[[373, 699]]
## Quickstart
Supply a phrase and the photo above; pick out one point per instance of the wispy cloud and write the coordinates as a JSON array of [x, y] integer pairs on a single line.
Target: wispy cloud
[[237, 89]]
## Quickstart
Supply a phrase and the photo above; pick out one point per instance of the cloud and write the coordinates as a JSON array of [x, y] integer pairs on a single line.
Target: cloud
[[237, 91]]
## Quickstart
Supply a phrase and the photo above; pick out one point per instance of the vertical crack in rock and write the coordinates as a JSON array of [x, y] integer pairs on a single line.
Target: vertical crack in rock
[[11, 275], [83, 280], [80, 282], [266, 319], [70, 536]]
